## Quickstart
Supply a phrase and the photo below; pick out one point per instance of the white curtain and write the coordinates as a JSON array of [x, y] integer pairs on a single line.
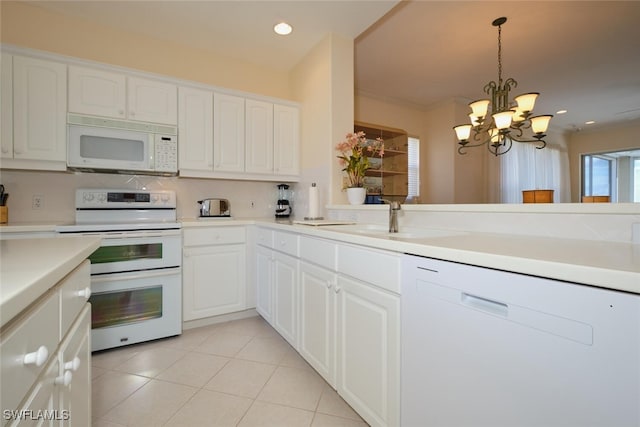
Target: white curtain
[[525, 167]]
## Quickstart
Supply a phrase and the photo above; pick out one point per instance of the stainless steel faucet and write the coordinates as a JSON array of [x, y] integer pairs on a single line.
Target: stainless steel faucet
[[394, 207]]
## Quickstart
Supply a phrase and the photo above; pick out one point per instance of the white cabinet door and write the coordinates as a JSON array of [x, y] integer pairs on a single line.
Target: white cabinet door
[[286, 140], [213, 281], [75, 354], [264, 282], [44, 398], [40, 109], [317, 319], [259, 136], [368, 347], [228, 133], [152, 101], [285, 297], [6, 106], [97, 92], [195, 129]]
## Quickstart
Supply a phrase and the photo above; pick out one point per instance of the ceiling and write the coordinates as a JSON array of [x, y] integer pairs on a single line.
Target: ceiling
[[582, 56]]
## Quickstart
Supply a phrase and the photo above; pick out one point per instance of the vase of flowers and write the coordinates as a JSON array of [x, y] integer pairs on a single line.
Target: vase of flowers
[[355, 152]]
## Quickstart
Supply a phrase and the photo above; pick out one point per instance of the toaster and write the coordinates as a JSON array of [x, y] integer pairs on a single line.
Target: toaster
[[214, 207]]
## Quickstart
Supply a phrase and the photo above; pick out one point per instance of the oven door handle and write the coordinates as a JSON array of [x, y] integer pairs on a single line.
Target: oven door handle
[[136, 234], [131, 275]]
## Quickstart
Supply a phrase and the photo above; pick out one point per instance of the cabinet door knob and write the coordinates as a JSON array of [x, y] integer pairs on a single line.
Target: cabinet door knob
[[64, 379], [73, 365], [85, 293], [37, 357], [329, 284], [338, 289]]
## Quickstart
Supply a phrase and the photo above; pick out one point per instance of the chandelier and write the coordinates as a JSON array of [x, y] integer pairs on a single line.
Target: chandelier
[[508, 120]]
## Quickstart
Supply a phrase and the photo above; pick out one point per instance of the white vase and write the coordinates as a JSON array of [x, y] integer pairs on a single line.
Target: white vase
[[356, 195]]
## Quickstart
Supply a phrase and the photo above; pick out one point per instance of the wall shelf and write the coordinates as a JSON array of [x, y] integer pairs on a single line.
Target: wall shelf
[[389, 175]]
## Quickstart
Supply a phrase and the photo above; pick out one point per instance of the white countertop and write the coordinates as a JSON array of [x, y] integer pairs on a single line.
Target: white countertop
[[30, 267], [610, 265]]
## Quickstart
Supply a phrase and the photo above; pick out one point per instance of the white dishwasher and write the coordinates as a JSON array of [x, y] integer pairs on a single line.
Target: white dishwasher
[[482, 347]]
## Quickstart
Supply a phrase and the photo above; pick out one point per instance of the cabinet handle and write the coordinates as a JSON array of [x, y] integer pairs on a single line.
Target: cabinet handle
[[73, 365], [16, 151], [38, 357], [121, 112], [329, 284], [338, 289], [64, 379], [5, 150], [132, 113], [85, 293]]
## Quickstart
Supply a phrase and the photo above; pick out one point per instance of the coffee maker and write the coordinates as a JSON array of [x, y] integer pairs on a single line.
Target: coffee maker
[[283, 208]]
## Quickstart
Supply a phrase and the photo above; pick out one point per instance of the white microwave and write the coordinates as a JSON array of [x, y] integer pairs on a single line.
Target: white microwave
[[109, 145]]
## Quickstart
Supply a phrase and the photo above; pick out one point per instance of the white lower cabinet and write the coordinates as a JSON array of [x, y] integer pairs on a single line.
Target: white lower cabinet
[[277, 283], [264, 283], [348, 329], [75, 358], [213, 274], [368, 351], [285, 296], [46, 374], [317, 319]]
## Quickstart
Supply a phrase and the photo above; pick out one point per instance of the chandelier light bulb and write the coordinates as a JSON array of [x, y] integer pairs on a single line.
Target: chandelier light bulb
[[463, 132], [479, 108], [526, 101], [503, 119], [539, 124], [518, 115]]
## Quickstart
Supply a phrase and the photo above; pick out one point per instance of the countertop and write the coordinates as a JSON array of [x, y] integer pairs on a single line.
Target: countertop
[[30, 267]]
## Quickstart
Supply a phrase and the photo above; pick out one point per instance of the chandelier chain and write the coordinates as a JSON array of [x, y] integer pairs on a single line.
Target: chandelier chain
[[499, 55]]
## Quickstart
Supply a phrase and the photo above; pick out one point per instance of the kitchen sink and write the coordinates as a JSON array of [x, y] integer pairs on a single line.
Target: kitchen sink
[[376, 230]]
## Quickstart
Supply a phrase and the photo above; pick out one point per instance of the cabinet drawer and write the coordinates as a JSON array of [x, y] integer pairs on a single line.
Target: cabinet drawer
[[318, 251], [377, 267], [285, 242], [264, 237], [37, 329], [74, 292], [213, 236]]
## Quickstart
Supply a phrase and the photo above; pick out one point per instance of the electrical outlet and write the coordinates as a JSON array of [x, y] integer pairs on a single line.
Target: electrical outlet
[[37, 202]]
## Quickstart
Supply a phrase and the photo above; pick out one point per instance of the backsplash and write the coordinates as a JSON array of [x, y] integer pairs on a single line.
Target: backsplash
[[248, 199]]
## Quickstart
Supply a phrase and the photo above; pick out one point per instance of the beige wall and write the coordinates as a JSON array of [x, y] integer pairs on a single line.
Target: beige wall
[[623, 137], [445, 176], [322, 83], [29, 26]]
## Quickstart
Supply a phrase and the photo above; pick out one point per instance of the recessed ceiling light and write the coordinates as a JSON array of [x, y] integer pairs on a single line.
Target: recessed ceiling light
[[590, 122], [283, 28], [561, 111]]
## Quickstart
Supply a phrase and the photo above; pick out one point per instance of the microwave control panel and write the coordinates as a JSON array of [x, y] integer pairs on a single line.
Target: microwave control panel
[[166, 153]]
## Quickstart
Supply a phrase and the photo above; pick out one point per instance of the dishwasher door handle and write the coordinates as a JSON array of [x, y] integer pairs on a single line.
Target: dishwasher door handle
[[484, 304]]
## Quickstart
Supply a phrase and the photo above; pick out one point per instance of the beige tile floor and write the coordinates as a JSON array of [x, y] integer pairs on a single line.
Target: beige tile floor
[[239, 373]]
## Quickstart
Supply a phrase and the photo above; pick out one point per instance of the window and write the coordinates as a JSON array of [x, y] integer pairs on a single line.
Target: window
[[636, 180], [597, 175], [414, 168]]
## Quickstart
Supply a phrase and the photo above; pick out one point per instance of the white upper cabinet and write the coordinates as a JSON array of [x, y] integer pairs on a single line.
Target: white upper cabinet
[[111, 94], [286, 139], [6, 106], [228, 133], [259, 136], [152, 101], [39, 110], [195, 129], [97, 92]]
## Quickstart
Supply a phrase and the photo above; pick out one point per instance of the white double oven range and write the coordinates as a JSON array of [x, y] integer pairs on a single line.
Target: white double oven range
[[136, 280]]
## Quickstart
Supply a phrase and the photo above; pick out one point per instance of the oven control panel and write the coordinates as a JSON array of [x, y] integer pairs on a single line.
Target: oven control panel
[[93, 198]]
